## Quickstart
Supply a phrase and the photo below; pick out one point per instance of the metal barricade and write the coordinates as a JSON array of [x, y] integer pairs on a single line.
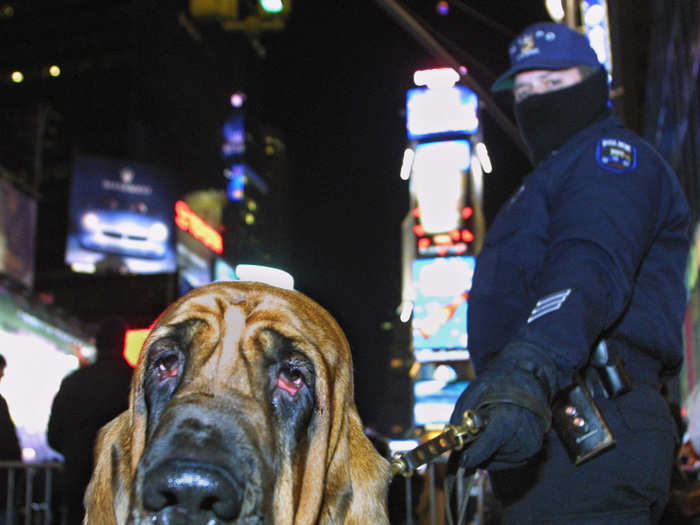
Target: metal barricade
[[28, 494], [442, 499]]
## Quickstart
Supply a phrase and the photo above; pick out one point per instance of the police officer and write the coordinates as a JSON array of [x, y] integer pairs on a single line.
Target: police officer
[[589, 253]]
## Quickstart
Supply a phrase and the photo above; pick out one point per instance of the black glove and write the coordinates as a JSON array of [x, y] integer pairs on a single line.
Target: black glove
[[513, 395]]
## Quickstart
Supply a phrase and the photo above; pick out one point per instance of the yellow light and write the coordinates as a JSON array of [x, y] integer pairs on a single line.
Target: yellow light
[[54, 70], [249, 218], [7, 11], [252, 205], [133, 341], [17, 77]]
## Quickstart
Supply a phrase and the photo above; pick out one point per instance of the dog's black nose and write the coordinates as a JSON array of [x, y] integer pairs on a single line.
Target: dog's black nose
[[194, 489]]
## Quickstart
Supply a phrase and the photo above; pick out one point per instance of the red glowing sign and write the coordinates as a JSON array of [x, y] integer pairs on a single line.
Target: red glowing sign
[[189, 221], [441, 244]]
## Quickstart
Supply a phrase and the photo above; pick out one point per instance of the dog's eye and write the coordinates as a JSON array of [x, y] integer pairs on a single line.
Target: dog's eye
[[167, 366], [290, 379]]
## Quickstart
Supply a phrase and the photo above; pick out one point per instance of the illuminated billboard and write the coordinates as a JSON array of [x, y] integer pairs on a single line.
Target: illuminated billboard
[[121, 217], [439, 111], [40, 352], [17, 229], [439, 183], [436, 390], [442, 286]]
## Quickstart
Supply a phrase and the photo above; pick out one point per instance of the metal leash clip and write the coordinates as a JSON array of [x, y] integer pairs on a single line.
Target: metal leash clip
[[453, 437]]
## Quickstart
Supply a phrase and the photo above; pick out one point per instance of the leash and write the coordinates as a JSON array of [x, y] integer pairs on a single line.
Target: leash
[[453, 437]]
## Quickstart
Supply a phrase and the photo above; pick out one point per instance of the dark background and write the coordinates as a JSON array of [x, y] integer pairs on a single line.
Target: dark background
[[142, 80]]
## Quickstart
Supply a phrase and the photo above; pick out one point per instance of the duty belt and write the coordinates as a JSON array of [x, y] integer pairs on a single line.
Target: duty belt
[[605, 374]]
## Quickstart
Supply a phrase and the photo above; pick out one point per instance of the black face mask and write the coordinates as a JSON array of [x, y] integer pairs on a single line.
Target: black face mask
[[548, 120]]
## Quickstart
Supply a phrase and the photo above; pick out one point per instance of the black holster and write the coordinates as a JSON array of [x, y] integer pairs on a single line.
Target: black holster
[[575, 416]]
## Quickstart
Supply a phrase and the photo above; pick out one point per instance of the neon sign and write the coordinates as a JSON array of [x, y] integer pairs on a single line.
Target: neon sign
[[189, 221]]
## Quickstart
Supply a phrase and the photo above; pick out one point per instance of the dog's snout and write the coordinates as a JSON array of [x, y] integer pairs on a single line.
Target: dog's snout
[[197, 491]]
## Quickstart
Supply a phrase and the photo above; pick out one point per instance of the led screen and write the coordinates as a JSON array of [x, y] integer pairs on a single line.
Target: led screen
[[435, 391], [440, 111], [39, 355], [434, 402], [121, 218], [442, 286], [17, 228]]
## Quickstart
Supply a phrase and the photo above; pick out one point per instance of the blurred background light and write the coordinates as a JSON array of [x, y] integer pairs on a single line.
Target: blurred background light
[[238, 99], [272, 6], [407, 164], [438, 179], [436, 78], [555, 9], [483, 155], [265, 274]]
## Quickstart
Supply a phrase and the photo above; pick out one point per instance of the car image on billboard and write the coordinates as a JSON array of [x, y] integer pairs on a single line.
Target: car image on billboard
[[121, 217], [124, 232]]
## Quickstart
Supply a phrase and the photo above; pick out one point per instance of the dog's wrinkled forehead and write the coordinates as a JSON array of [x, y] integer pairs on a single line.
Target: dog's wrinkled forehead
[[239, 307]]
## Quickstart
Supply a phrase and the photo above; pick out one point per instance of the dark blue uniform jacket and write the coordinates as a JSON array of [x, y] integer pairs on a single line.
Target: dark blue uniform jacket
[[593, 244]]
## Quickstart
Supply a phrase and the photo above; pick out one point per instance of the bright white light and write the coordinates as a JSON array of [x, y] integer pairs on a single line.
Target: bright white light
[[555, 9], [54, 70], [447, 109], [272, 6], [597, 38], [83, 267], [265, 274], [407, 164], [237, 99], [484, 158], [436, 78], [594, 15], [28, 454], [17, 77], [444, 373], [427, 388], [91, 221], [402, 445], [445, 277], [428, 356], [595, 21], [406, 311], [438, 182], [430, 412], [35, 368], [158, 232]]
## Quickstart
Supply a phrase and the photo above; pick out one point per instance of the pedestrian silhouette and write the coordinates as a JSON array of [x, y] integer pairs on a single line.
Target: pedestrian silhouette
[[9, 444], [87, 399]]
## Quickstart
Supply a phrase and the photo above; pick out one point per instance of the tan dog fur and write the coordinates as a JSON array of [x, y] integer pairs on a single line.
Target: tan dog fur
[[339, 479]]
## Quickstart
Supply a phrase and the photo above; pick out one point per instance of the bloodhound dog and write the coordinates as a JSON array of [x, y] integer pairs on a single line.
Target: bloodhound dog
[[241, 412]]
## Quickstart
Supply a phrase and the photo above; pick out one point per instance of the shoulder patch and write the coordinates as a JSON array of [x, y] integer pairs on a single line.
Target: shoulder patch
[[616, 155]]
